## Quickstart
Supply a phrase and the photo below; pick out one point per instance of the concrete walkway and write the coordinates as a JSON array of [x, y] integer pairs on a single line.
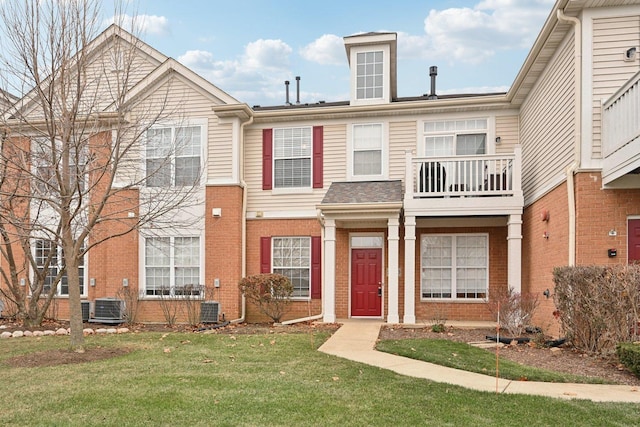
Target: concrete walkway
[[356, 339]]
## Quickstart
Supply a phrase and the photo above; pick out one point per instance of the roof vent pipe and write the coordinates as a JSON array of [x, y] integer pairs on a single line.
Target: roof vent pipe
[[433, 72], [286, 86], [297, 89]]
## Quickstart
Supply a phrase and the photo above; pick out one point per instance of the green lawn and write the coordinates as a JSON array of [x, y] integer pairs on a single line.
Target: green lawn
[[183, 379], [463, 356]]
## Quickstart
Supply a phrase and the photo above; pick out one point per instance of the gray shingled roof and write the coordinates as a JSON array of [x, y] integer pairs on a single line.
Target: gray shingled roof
[[363, 192]]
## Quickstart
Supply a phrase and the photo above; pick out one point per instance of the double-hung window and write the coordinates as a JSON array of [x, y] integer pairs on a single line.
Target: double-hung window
[[173, 156], [172, 266], [454, 266], [46, 250], [291, 257], [292, 149], [367, 149], [369, 75]]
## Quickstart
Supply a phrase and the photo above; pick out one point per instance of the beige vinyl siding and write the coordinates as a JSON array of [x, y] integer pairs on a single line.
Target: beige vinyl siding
[[507, 130], [547, 123], [175, 102], [220, 151], [335, 154], [402, 137], [611, 38]]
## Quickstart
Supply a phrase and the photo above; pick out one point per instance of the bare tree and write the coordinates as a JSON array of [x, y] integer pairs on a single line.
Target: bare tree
[[73, 147]]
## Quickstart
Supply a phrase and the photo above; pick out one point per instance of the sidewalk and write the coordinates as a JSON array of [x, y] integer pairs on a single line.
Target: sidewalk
[[356, 339]]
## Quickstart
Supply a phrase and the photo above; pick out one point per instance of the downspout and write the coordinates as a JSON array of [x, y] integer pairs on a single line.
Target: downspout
[[243, 239], [571, 169], [321, 315]]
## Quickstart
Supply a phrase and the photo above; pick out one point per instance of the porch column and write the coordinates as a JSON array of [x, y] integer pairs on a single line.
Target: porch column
[[392, 286], [514, 256], [409, 269], [329, 273]]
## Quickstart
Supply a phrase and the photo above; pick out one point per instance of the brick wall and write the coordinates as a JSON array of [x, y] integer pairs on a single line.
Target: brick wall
[[278, 227]]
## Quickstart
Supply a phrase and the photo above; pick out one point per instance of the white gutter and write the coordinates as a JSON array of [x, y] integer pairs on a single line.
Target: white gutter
[[243, 242], [571, 198]]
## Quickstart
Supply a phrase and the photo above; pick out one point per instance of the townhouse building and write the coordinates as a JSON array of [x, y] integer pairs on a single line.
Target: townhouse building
[[406, 209]]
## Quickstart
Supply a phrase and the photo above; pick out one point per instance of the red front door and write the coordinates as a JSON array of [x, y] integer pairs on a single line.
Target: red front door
[[633, 234], [366, 282]]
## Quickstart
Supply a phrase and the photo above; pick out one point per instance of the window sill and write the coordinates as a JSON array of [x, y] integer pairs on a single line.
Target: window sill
[[456, 300], [296, 190]]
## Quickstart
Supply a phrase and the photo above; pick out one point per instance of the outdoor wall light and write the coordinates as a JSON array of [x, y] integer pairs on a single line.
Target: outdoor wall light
[[546, 293], [498, 140], [630, 54]]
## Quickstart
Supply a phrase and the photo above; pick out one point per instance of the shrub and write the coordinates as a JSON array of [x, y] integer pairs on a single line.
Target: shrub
[[629, 355], [598, 305], [271, 293], [514, 310]]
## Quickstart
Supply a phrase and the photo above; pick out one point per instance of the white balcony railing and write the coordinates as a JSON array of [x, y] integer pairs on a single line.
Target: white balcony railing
[[621, 117], [463, 176]]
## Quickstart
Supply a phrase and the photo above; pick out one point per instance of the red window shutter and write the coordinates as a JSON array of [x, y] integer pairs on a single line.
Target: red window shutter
[[316, 267], [267, 159], [265, 255], [317, 156]]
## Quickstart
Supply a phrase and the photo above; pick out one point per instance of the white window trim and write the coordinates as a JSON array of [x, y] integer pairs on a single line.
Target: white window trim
[[453, 277], [142, 287], [290, 190], [294, 298], [85, 276], [192, 122], [489, 131], [386, 71], [384, 157]]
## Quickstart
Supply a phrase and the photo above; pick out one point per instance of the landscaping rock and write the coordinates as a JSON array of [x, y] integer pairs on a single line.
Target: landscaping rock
[[88, 331], [38, 333], [5, 335], [62, 331], [18, 334], [28, 333], [101, 331], [112, 330], [49, 332], [123, 330]]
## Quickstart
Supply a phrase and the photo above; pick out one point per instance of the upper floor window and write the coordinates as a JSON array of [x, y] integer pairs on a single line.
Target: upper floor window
[[173, 156], [367, 149], [292, 157], [455, 137], [369, 75], [46, 250]]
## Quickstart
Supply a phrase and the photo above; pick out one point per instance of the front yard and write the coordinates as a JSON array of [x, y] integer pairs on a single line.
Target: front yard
[[265, 379]]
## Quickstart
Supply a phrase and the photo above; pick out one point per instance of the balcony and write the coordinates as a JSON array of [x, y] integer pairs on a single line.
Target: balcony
[[621, 136], [463, 185]]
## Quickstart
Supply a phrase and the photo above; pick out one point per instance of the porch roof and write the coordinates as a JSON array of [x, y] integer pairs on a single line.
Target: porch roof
[[363, 192]]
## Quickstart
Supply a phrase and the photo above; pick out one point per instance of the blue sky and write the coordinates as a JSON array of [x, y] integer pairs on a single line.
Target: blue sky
[[248, 48]]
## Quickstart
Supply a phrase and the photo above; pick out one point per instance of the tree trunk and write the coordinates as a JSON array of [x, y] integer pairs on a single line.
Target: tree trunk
[[75, 307]]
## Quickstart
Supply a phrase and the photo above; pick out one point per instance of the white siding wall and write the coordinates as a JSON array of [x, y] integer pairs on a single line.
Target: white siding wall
[[402, 137], [611, 38], [507, 129], [547, 123]]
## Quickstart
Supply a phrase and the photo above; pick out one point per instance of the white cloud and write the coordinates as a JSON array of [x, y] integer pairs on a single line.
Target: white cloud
[[146, 24], [326, 50], [255, 75], [267, 53], [473, 35]]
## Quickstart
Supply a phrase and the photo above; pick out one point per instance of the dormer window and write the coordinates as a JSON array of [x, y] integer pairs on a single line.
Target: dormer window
[[372, 59], [369, 75]]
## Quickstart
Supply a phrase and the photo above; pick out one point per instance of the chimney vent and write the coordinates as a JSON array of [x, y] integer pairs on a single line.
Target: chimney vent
[[286, 86], [297, 89], [433, 72]]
